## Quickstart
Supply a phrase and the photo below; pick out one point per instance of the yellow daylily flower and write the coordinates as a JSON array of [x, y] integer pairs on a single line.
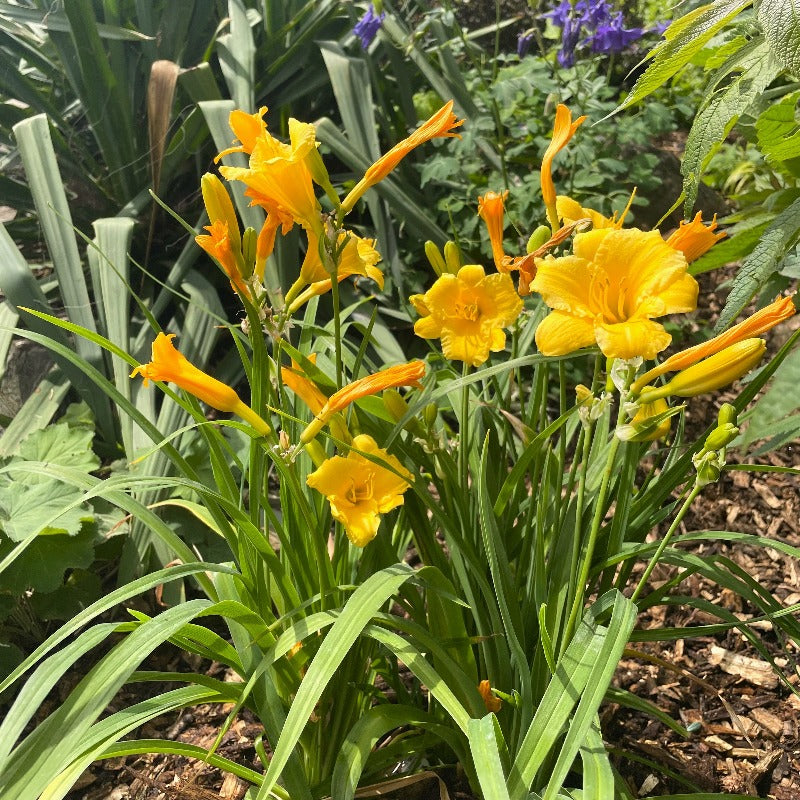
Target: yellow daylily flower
[[609, 291], [358, 256], [408, 374], [768, 317], [278, 177], [490, 210], [563, 130], [712, 373], [439, 125], [493, 704], [694, 238], [359, 490], [468, 312], [218, 245], [171, 366], [248, 128]]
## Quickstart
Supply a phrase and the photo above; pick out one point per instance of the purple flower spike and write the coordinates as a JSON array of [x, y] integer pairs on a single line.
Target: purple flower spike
[[368, 26]]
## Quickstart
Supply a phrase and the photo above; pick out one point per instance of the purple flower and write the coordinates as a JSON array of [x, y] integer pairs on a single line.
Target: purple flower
[[570, 34], [660, 27], [524, 43], [614, 37], [560, 13], [368, 26], [593, 12]]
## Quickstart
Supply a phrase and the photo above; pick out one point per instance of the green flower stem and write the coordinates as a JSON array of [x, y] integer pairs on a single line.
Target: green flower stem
[[665, 541], [463, 447], [580, 501], [599, 513]]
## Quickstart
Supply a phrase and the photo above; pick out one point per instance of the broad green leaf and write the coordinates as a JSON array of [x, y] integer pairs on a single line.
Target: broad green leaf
[[33, 504], [776, 128], [684, 38], [42, 564], [761, 263], [780, 20], [486, 757], [757, 69], [598, 777]]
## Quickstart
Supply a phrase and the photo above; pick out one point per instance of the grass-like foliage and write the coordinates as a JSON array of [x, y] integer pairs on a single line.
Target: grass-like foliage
[[444, 554]]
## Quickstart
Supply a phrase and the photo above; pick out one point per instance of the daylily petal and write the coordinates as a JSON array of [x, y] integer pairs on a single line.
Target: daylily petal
[[637, 337], [560, 333], [565, 284]]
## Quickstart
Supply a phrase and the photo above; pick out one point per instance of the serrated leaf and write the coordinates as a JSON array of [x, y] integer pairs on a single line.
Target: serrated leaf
[[780, 20], [733, 248], [39, 509], [60, 445], [41, 566], [683, 40], [777, 130], [723, 109], [761, 263]]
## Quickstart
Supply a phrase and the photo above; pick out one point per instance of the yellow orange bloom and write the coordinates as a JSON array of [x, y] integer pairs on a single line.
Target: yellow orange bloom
[[408, 374], [712, 373], [218, 245], [493, 704], [563, 130], [609, 291], [171, 366], [359, 490], [302, 386], [490, 210], [694, 238], [278, 176], [468, 312], [248, 128], [439, 125], [220, 207], [357, 257], [768, 317]]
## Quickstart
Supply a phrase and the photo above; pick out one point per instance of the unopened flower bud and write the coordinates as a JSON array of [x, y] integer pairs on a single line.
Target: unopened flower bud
[[721, 437], [537, 239], [708, 468], [712, 373], [435, 257], [727, 414], [646, 425], [430, 414], [452, 257]]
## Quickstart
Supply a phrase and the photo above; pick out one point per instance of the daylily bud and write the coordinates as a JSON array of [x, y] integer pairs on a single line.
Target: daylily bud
[[435, 257], [721, 437], [712, 373], [727, 414], [219, 207], [645, 426], [452, 257], [537, 239], [430, 414]]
